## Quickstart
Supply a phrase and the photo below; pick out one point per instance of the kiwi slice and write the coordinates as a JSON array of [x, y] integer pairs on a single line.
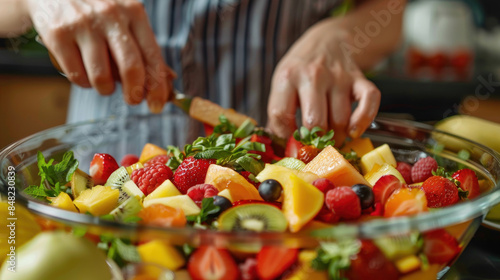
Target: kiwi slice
[[80, 181], [256, 217], [398, 246], [291, 163], [118, 177], [129, 208], [129, 189]]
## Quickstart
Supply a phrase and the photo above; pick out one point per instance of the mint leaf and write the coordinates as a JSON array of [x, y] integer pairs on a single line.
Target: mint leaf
[[207, 209], [57, 173], [38, 192], [127, 252], [335, 257]]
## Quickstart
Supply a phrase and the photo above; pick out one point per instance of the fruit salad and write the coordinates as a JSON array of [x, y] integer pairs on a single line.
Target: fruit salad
[[236, 180]]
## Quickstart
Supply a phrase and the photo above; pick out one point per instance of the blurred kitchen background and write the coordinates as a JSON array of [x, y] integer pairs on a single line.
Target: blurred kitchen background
[[449, 63]]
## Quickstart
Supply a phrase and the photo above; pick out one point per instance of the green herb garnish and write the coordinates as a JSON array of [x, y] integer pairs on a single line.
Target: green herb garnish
[[208, 209]]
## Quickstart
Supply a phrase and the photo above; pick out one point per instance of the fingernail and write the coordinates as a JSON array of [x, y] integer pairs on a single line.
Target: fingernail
[[354, 132], [155, 107]]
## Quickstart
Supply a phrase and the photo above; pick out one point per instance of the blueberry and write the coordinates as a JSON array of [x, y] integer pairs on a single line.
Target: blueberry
[[270, 190], [222, 202], [365, 194]]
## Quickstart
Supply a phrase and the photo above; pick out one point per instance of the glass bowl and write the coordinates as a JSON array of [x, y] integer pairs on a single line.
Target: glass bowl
[[409, 141]]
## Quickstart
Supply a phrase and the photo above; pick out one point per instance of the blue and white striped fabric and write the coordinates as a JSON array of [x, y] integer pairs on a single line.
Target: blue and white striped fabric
[[223, 50]]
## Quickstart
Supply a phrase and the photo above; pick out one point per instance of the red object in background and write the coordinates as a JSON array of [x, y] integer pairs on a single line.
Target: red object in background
[[460, 61]]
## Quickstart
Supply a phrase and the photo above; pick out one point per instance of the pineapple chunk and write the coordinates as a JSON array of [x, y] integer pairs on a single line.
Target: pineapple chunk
[[99, 200], [183, 202], [166, 189], [63, 201], [380, 155], [227, 194], [408, 264], [160, 253], [386, 169]]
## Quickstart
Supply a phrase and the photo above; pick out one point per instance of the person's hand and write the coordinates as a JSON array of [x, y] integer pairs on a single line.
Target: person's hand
[[317, 76], [96, 42]]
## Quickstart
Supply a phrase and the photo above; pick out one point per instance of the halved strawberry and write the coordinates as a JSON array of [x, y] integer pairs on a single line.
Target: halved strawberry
[[440, 246], [101, 166], [385, 186], [272, 261], [292, 147], [468, 181], [210, 262]]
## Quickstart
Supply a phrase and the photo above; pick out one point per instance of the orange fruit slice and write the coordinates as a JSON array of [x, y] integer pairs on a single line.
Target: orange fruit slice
[[162, 215], [405, 202], [149, 151], [301, 200], [225, 178]]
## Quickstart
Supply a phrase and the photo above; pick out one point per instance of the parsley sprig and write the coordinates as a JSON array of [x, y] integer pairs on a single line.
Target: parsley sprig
[[53, 177]]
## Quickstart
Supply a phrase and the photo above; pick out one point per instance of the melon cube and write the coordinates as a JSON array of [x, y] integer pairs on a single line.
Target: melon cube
[[330, 164], [380, 156]]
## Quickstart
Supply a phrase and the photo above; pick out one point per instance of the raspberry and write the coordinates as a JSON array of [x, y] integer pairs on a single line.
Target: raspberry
[[161, 159], [200, 191], [344, 202], [327, 216], [248, 269], [247, 174], [149, 178], [422, 169], [405, 170], [323, 185]]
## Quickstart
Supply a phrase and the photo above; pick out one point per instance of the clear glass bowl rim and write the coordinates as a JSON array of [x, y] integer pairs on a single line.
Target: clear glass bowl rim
[[365, 229]]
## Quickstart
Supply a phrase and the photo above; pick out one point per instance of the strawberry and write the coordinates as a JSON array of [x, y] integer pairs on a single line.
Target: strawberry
[[468, 182], [268, 156], [307, 153], [323, 184], [247, 175], [191, 172], [384, 187], [405, 170], [344, 202], [305, 144], [160, 159], [151, 177], [371, 263], [422, 169], [198, 192], [292, 147], [272, 261], [440, 246], [128, 160], [208, 129], [440, 192], [378, 209], [101, 166], [210, 262]]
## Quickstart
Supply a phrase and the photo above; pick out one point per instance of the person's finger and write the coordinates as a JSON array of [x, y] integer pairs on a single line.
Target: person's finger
[[158, 74], [340, 106], [128, 59], [313, 99], [282, 107], [368, 97], [67, 54], [97, 64]]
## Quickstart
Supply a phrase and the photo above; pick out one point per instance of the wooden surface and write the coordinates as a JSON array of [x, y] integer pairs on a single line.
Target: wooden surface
[[29, 104]]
